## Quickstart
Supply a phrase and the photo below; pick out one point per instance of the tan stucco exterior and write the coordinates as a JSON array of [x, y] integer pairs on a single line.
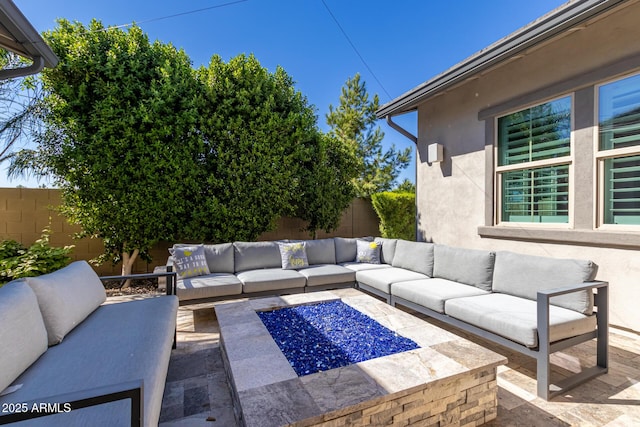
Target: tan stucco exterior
[[455, 200]]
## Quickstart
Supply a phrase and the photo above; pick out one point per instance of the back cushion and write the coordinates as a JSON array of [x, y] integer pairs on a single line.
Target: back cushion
[[220, 258], [346, 248], [66, 297], [23, 335], [469, 266], [388, 249], [524, 275], [256, 255], [414, 256], [321, 251]]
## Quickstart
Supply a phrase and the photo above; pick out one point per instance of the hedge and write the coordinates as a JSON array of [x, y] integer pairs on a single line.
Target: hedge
[[397, 213]]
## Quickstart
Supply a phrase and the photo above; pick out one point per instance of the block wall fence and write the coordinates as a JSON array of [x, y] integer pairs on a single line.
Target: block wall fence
[[25, 212]]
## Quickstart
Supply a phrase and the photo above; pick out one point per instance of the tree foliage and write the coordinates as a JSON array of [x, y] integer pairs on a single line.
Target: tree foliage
[[397, 213], [353, 122], [120, 134]]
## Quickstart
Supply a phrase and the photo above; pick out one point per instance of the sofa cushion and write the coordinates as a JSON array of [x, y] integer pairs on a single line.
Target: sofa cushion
[[361, 266], [219, 257], [254, 255], [118, 343], [382, 278], [321, 251], [432, 293], [524, 275], [515, 318], [469, 266], [388, 249], [66, 297], [368, 252], [210, 286], [23, 335], [346, 248], [328, 274], [189, 261], [270, 279], [414, 256], [293, 255]]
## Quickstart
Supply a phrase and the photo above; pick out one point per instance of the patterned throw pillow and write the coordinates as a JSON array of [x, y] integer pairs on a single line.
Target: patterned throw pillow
[[294, 255], [189, 261], [368, 252]]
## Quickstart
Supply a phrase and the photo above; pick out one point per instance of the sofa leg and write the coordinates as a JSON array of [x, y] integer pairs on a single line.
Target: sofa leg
[[175, 339]]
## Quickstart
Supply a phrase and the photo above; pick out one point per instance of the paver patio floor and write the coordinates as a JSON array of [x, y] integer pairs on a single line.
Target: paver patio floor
[[197, 394]]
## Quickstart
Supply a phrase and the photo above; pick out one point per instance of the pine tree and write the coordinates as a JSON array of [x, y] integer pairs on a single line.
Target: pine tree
[[354, 123]]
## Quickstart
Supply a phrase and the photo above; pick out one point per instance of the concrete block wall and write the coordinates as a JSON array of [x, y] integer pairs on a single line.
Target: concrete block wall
[[25, 212]]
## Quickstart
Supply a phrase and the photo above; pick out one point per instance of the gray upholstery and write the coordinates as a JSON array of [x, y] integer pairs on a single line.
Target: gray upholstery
[[414, 256], [523, 275], [346, 248], [515, 318], [118, 343], [432, 293], [209, 286], [382, 278], [388, 249], [322, 251], [327, 274], [66, 297], [270, 279], [254, 255], [469, 266], [220, 257], [361, 266], [22, 334]]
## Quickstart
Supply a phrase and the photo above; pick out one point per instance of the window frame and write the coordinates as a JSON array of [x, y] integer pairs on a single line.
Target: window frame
[[568, 160], [599, 161]]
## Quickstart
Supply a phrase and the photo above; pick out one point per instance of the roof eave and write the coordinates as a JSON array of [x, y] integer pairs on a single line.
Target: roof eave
[[546, 27]]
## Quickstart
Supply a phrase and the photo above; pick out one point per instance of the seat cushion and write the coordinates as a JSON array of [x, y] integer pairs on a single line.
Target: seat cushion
[[66, 297], [414, 256], [432, 293], [382, 278], [254, 255], [23, 335], [209, 286], [117, 343], [270, 279], [327, 274], [469, 266], [524, 275], [515, 318], [361, 266]]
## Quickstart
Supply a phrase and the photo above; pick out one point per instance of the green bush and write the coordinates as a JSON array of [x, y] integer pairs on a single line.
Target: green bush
[[396, 211], [17, 261]]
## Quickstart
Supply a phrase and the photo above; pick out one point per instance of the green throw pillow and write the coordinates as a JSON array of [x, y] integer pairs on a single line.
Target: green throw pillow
[[368, 252], [189, 261], [294, 255]]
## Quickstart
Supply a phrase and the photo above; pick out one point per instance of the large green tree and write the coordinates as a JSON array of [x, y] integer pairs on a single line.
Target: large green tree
[[353, 122], [262, 152], [121, 135]]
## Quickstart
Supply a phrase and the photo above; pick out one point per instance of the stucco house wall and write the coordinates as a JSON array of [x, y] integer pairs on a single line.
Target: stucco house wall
[[456, 198]]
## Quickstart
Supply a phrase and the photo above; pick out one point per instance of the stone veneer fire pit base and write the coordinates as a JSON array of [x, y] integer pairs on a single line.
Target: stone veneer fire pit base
[[448, 381]]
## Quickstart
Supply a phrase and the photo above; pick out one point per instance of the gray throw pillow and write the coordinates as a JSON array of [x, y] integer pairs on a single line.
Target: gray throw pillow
[[189, 261], [368, 252], [294, 255]]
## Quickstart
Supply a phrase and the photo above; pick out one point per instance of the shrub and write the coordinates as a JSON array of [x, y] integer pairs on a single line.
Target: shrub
[[396, 211], [17, 261]]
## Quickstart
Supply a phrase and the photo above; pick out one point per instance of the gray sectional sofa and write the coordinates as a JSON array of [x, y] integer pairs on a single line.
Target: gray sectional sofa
[[534, 305], [84, 363]]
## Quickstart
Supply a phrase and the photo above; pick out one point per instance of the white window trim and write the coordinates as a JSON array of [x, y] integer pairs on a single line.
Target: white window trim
[[566, 160]]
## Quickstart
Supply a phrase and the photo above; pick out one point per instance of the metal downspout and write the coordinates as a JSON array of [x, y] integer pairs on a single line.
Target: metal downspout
[[413, 138], [36, 67]]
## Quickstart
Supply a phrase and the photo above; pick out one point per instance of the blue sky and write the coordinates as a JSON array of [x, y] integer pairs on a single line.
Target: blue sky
[[404, 43]]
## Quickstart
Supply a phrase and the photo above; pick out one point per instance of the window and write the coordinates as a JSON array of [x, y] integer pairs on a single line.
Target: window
[[618, 154], [534, 157]]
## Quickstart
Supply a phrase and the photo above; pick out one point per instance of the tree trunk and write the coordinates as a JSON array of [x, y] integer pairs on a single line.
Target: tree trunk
[[127, 265]]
